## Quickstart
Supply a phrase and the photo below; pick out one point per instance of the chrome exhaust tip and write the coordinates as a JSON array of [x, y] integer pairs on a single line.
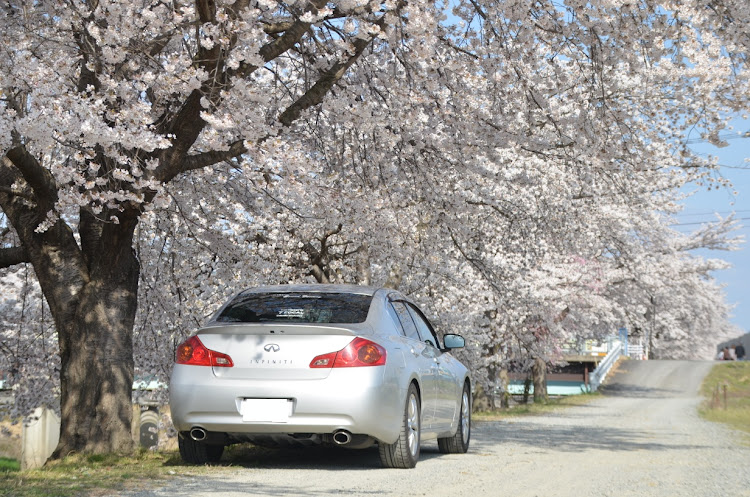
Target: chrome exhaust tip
[[342, 437], [198, 434]]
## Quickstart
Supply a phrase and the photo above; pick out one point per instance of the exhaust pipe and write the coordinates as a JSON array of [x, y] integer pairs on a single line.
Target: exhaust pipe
[[198, 434], [342, 437]]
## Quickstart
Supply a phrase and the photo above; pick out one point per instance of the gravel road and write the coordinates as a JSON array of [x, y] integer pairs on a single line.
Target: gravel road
[[642, 438]]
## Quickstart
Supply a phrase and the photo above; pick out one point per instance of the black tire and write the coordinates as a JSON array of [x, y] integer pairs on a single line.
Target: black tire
[[194, 452], [459, 442], [405, 452]]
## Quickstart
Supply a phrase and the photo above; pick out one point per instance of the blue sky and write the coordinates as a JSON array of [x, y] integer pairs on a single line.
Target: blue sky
[[703, 206]]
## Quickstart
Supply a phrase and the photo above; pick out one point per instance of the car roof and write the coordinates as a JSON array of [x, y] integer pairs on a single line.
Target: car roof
[[313, 288]]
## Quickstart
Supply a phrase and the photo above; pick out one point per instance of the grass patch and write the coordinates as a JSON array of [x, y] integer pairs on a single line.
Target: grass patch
[[7, 464], [103, 475], [727, 395], [75, 476], [531, 409]]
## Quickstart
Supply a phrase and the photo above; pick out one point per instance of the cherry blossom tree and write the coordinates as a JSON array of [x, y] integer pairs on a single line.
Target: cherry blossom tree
[[119, 100], [505, 157]]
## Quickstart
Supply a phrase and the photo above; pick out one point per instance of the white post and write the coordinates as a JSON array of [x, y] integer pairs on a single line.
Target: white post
[[39, 438]]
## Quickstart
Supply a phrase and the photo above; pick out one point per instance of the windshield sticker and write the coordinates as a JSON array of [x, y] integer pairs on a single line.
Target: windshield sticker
[[291, 313]]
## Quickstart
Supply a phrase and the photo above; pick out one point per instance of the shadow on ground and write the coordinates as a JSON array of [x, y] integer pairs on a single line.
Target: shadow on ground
[[314, 457], [570, 438], [639, 391]]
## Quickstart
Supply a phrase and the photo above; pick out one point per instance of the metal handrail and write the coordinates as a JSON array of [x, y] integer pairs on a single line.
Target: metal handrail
[[600, 373]]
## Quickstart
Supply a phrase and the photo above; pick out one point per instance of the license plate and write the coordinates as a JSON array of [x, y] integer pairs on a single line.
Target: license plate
[[266, 410]]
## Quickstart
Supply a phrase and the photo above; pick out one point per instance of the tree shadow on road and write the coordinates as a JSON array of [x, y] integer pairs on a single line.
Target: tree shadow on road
[[638, 391], [573, 438]]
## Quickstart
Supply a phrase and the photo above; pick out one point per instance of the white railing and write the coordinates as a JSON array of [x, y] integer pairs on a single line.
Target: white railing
[[600, 373], [636, 352]]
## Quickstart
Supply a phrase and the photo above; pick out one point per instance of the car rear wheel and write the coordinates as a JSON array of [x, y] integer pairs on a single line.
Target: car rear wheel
[[194, 452], [459, 442], [405, 452]]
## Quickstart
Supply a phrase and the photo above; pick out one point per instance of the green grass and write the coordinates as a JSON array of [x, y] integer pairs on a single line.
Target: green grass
[[734, 379], [98, 475], [7, 464], [76, 476], [552, 405]]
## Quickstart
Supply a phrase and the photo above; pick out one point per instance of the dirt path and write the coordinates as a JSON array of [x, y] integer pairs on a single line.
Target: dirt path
[[642, 438]]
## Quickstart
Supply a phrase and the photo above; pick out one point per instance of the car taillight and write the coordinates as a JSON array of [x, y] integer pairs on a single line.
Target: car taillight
[[193, 352], [360, 352]]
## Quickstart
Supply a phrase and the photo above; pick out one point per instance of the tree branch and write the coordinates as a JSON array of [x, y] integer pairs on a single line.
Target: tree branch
[[16, 193], [292, 35], [293, 32], [206, 10], [37, 177], [10, 256], [187, 124], [320, 89], [212, 157]]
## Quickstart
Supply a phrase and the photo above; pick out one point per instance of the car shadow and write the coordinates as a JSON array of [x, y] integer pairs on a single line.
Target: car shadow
[[312, 457]]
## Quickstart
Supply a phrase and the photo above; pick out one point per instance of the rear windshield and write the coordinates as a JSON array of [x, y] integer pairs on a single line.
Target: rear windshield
[[296, 308]]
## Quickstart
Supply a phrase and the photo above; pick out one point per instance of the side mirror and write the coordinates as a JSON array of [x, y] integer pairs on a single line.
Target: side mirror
[[452, 341]]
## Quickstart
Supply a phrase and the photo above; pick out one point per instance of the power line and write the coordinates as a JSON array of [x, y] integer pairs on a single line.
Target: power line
[[707, 222], [711, 213]]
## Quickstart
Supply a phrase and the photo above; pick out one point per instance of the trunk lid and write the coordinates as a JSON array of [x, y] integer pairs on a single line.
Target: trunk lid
[[276, 351]]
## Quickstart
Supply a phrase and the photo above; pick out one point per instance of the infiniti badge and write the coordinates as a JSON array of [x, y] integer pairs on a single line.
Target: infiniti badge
[[271, 347]]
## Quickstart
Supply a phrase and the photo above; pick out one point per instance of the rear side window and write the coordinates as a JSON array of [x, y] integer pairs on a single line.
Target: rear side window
[[425, 329], [410, 329], [296, 307]]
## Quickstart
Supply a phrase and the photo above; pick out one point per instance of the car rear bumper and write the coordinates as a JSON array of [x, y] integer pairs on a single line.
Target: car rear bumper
[[359, 400]]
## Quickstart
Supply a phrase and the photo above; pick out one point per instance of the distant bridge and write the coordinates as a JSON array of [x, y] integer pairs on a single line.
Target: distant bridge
[[588, 366]]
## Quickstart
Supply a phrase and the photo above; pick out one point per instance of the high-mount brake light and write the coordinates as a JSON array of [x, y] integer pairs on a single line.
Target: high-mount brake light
[[359, 353], [194, 353]]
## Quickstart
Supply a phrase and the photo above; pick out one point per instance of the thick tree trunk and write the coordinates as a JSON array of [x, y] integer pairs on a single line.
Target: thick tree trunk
[[91, 286], [526, 389], [96, 349], [505, 384], [96, 379], [539, 373]]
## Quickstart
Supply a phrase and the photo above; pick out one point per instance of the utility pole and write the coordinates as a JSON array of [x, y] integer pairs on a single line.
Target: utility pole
[[653, 328]]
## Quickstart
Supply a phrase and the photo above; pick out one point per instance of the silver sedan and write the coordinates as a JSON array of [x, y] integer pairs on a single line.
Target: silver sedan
[[320, 364]]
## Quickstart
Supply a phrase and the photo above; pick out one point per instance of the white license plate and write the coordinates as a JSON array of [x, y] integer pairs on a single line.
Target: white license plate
[[266, 410]]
